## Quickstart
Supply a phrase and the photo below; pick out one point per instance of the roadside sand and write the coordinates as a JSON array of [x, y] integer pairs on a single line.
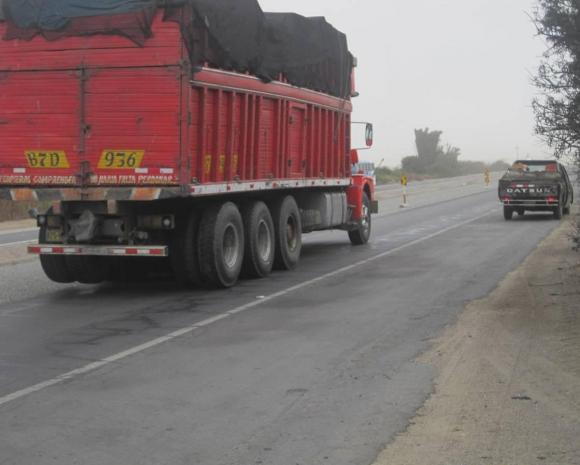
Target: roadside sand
[[7, 226], [508, 389], [11, 254], [15, 254]]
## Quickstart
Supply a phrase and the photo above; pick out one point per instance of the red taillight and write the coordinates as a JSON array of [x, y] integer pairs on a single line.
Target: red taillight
[[552, 199]]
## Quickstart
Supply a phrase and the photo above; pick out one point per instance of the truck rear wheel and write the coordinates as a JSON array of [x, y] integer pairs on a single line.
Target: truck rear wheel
[[362, 234], [558, 212], [54, 266], [184, 250], [88, 269], [221, 245], [260, 239], [508, 213], [288, 229]]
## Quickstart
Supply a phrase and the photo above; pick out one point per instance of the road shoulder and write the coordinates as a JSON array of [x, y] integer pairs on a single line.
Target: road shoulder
[[508, 387]]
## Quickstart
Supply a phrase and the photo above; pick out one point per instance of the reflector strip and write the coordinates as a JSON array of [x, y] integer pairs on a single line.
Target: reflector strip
[[142, 251]]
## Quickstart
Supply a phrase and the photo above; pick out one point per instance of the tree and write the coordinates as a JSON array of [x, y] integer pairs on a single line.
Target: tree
[[428, 145], [557, 109]]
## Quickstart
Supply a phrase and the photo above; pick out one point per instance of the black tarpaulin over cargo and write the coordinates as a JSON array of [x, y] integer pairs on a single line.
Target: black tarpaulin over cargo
[[60, 18], [225, 33], [308, 51], [229, 34]]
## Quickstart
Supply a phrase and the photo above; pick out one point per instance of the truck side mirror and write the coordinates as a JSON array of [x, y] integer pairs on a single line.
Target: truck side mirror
[[369, 134]]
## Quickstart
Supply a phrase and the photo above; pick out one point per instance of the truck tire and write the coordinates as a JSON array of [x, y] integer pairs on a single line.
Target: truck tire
[[260, 240], [88, 269], [362, 234], [508, 213], [54, 266], [221, 245], [566, 210], [183, 252], [288, 233], [558, 212]]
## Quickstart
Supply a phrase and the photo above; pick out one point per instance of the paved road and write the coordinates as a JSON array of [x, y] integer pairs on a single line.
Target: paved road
[[23, 236], [311, 367]]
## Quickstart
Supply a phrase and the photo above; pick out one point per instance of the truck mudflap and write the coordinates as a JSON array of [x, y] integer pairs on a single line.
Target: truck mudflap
[[100, 250]]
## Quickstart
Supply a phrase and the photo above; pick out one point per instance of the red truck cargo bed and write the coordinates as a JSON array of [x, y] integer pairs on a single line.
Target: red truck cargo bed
[[91, 117]]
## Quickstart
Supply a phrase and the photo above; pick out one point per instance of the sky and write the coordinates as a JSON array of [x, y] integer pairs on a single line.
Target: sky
[[463, 67]]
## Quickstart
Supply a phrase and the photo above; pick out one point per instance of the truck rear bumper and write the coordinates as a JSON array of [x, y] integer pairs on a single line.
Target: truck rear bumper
[[96, 250]]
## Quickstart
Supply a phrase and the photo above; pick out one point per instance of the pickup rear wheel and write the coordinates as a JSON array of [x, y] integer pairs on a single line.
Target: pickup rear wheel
[[260, 240], [54, 266], [288, 228], [508, 213], [184, 250], [221, 245], [558, 212], [362, 234]]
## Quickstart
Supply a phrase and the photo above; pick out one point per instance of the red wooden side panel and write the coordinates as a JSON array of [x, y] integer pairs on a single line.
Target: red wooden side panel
[[247, 136], [296, 142], [267, 144], [134, 110], [164, 48], [39, 123], [108, 95]]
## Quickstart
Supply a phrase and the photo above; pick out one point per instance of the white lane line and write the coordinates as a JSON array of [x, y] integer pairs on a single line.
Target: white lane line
[[189, 329], [10, 244]]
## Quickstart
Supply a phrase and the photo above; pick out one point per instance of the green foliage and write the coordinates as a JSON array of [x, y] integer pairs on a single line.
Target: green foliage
[[557, 108]]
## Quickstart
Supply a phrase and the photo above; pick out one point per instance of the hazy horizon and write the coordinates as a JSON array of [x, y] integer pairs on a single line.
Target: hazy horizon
[[462, 67]]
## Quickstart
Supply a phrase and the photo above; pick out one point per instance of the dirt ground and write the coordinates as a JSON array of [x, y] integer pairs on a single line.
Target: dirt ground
[[7, 226], [508, 388]]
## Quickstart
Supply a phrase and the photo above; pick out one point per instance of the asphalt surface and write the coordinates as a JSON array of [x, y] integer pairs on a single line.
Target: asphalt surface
[[310, 367], [9, 238]]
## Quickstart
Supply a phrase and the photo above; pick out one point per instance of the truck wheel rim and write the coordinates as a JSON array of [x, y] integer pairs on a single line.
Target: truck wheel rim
[[291, 234], [231, 246], [366, 221], [264, 242]]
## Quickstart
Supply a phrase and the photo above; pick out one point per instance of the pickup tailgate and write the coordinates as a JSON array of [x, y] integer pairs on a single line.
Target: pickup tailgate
[[532, 191]]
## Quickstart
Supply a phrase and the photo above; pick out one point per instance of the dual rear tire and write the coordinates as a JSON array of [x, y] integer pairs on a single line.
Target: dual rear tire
[[216, 247]]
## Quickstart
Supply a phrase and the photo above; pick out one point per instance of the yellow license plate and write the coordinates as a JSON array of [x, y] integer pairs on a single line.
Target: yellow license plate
[[121, 159], [54, 235], [47, 159]]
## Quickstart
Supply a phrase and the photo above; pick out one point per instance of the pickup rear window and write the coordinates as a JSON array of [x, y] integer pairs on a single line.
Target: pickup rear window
[[535, 167]]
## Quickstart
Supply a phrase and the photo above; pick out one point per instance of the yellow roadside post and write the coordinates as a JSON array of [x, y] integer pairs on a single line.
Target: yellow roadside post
[[487, 177], [404, 182]]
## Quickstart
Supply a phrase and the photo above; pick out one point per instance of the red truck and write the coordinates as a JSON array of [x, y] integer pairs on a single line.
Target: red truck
[[158, 134]]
